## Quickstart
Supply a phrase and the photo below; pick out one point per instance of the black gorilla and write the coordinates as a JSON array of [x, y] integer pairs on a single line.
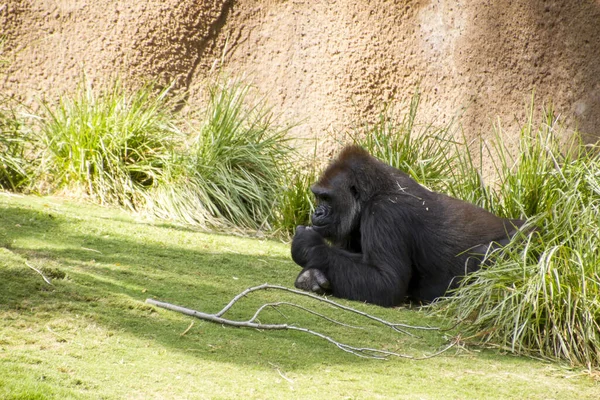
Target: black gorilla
[[389, 238]]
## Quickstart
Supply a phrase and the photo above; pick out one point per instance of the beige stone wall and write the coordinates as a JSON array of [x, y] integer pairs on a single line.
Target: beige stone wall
[[324, 63], [50, 43]]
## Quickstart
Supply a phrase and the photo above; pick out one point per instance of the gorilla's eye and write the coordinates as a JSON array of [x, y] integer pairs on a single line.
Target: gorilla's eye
[[323, 197]]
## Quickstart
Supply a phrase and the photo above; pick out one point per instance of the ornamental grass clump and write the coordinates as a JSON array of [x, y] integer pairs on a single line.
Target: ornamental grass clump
[[541, 296], [295, 200], [14, 164], [423, 151], [109, 144], [230, 169]]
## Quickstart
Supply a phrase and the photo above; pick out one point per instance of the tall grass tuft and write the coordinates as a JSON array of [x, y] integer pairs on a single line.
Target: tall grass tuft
[[294, 200], [542, 294], [14, 163], [424, 151], [230, 170], [110, 143]]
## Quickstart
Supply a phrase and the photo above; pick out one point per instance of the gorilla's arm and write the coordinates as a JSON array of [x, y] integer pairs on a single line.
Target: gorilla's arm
[[354, 276]]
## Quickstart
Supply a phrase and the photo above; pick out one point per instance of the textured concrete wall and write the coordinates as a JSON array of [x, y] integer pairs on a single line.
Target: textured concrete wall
[[325, 63], [51, 42]]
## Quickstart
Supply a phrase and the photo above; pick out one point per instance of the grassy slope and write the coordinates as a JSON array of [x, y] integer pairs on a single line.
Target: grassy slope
[[92, 336]]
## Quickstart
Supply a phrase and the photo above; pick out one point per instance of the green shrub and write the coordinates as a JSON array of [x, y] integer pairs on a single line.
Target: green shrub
[[126, 147], [14, 165], [230, 170], [110, 144], [294, 199], [542, 294], [423, 151]]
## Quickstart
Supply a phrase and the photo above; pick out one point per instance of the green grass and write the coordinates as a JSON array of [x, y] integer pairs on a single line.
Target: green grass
[[542, 294], [107, 143], [221, 166], [295, 201], [15, 168], [424, 151], [229, 172], [91, 336]]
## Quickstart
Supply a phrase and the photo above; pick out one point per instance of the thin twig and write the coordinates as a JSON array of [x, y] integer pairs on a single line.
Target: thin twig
[[188, 329], [215, 317], [281, 374], [61, 337], [94, 250], [39, 272], [285, 303]]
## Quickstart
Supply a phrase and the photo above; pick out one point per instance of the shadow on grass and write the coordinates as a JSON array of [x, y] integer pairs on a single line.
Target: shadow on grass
[[105, 269]]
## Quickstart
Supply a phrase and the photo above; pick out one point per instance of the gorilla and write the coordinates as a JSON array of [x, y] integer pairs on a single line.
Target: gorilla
[[377, 236]]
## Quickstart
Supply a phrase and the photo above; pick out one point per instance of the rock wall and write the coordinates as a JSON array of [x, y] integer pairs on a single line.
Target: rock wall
[[50, 43], [324, 63]]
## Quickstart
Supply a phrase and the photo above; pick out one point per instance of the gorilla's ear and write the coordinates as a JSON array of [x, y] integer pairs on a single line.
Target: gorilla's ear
[[354, 191]]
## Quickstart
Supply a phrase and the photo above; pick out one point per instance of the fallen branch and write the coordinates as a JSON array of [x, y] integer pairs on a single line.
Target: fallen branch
[[251, 323]]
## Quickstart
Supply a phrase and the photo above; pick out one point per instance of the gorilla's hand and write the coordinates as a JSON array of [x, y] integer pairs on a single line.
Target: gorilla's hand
[[305, 240], [312, 280]]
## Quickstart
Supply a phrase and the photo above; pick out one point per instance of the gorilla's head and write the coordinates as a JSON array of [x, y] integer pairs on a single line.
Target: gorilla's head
[[337, 212]]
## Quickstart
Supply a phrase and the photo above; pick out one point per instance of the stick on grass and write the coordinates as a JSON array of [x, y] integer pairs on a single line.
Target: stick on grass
[[39, 272], [363, 352]]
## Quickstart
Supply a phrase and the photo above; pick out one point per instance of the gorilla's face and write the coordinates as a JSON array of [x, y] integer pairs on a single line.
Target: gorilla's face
[[324, 219], [337, 211]]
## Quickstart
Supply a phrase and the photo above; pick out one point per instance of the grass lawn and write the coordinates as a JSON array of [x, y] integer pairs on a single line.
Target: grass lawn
[[91, 335]]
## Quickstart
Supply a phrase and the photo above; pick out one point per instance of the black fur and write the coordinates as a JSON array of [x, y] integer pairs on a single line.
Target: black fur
[[380, 237]]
